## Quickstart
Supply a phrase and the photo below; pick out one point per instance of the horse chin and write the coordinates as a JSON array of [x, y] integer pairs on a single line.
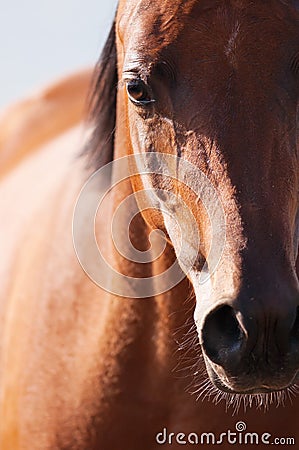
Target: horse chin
[[225, 386]]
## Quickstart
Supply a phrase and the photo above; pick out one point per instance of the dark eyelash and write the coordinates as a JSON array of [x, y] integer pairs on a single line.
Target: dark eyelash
[[295, 64]]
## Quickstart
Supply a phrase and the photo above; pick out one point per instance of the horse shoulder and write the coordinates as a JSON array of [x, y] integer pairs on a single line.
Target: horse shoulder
[[48, 310]]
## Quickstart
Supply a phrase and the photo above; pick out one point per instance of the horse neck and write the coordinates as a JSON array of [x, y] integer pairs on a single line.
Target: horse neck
[[137, 348]]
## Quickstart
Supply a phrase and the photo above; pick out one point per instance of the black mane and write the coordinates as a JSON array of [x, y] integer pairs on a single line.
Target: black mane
[[100, 148]]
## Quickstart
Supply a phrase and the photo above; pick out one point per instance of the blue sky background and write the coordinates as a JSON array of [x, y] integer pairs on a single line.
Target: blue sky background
[[41, 40]]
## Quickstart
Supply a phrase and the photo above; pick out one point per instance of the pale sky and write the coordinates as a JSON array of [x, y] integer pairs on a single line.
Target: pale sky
[[41, 40]]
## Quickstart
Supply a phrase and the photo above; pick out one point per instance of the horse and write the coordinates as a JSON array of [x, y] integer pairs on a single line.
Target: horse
[[184, 91]]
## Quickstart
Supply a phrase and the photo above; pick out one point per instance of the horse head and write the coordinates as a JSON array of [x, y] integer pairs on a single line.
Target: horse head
[[216, 84]]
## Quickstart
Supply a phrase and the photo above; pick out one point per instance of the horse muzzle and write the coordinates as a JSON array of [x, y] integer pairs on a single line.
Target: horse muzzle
[[251, 346]]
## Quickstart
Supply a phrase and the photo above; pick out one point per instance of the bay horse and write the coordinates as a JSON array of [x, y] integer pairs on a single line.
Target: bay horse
[[215, 84]]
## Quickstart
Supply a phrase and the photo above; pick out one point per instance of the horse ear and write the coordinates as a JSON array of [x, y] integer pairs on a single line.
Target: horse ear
[[102, 106]]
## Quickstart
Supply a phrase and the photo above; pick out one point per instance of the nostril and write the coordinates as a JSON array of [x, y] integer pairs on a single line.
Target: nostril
[[222, 336]]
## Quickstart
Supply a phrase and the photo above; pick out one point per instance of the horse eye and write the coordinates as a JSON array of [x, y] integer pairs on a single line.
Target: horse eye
[[138, 92]]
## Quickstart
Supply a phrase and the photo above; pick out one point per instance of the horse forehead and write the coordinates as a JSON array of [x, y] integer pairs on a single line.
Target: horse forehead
[[152, 22], [153, 25]]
